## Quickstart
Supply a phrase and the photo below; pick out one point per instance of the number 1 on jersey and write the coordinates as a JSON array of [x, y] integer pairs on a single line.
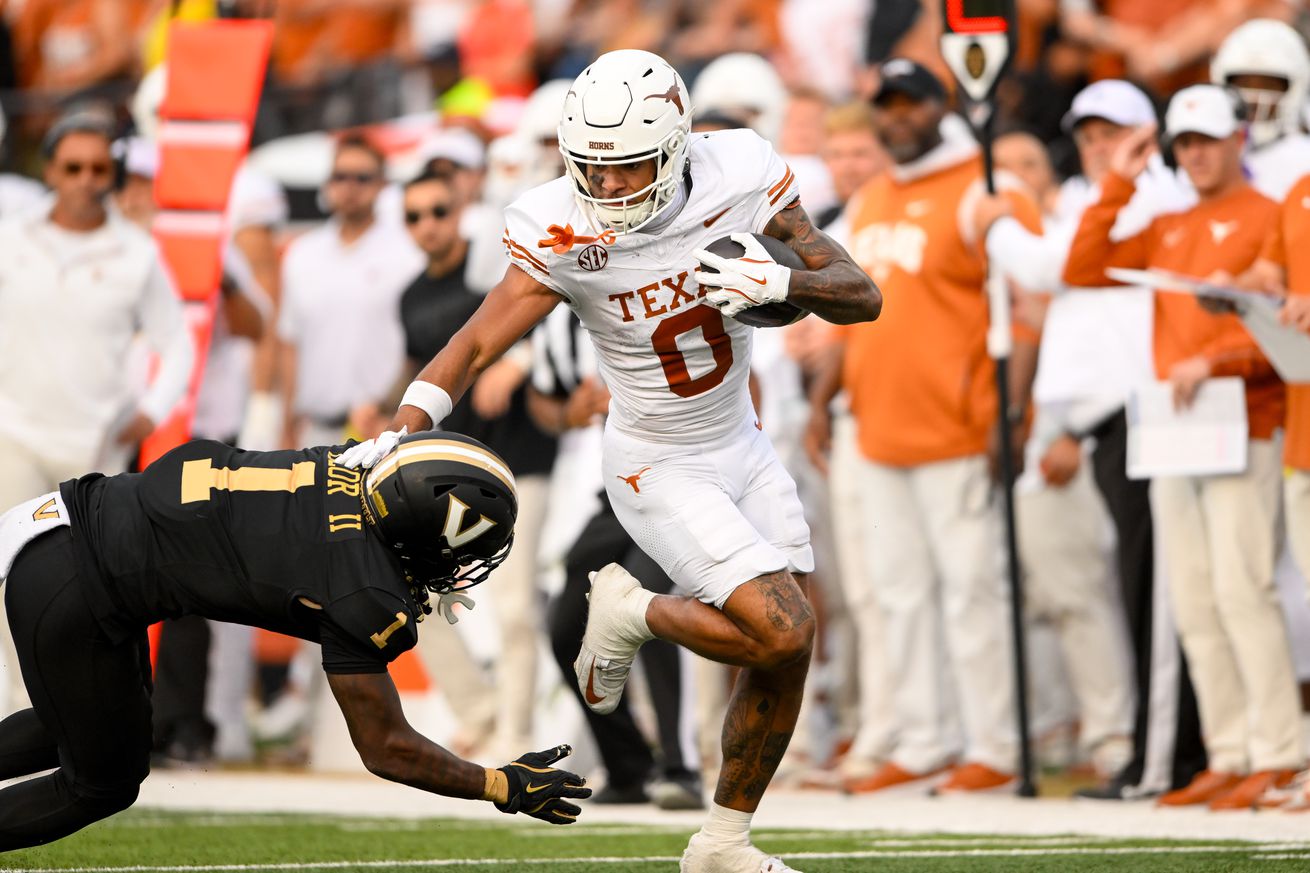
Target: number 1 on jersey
[[665, 341]]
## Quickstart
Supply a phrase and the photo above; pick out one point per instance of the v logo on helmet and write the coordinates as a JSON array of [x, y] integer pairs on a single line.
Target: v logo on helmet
[[455, 517]]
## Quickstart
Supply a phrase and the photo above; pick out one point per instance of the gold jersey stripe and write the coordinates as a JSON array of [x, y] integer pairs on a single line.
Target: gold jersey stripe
[[200, 477]]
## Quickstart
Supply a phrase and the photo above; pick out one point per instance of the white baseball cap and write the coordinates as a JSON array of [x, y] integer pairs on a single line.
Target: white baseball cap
[[1114, 100], [457, 145], [1205, 109]]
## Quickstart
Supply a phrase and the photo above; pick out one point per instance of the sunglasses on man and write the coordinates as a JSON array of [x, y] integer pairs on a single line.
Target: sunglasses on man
[[440, 212], [96, 169]]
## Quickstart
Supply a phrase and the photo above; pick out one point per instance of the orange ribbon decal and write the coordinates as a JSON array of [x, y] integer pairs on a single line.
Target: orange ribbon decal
[[562, 239]]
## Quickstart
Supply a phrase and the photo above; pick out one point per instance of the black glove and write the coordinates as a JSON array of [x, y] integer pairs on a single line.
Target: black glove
[[538, 790]]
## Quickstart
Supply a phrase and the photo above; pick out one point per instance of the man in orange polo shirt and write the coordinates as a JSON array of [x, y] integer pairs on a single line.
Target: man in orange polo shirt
[[922, 392], [1284, 268], [1218, 532]]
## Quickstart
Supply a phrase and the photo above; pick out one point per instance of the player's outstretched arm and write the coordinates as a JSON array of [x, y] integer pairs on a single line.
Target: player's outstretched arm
[[832, 286], [512, 308], [392, 749]]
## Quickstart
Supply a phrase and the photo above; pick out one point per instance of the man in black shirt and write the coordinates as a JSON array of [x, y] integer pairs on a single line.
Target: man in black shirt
[[433, 308], [288, 541]]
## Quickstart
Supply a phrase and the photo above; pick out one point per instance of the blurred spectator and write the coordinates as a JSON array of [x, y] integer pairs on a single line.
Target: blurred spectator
[[802, 123], [853, 155], [566, 396], [71, 46], [1218, 532], [79, 282], [1095, 348], [1284, 267], [822, 44], [342, 343], [1163, 43], [435, 305], [1267, 62], [703, 32], [745, 87], [496, 46], [925, 412], [1062, 538]]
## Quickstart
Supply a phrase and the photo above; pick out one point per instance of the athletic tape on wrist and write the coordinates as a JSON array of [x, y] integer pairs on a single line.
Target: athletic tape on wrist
[[430, 398]]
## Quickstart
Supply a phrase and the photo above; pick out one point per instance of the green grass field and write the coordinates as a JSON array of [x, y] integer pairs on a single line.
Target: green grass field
[[179, 843]]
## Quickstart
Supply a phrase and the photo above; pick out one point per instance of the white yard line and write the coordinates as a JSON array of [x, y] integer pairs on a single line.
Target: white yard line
[[221, 793], [1253, 851]]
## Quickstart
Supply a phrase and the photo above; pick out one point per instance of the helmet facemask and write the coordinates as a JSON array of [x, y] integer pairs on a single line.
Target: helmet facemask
[[632, 211], [626, 108]]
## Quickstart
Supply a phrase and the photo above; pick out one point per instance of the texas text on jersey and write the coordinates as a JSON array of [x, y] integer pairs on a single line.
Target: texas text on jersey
[[674, 367], [271, 539]]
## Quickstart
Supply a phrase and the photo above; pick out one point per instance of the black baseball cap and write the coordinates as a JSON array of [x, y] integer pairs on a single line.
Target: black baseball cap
[[904, 76]]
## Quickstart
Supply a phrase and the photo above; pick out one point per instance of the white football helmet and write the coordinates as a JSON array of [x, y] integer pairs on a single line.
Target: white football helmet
[[1266, 47], [628, 106], [746, 86], [539, 125]]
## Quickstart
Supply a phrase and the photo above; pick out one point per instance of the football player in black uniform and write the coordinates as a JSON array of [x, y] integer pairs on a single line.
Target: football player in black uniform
[[289, 541]]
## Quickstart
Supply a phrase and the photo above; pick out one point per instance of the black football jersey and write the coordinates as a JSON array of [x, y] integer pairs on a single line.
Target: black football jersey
[[271, 539]]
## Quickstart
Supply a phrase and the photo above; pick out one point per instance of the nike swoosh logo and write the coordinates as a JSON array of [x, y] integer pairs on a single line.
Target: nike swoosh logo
[[756, 281], [710, 221], [590, 693], [534, 789]]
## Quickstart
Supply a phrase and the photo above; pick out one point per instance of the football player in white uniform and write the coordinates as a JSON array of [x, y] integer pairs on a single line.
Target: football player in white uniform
[[1267, 62], [691, 475]]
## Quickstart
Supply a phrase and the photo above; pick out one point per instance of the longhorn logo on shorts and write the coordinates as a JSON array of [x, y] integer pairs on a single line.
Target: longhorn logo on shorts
[[632, 480]]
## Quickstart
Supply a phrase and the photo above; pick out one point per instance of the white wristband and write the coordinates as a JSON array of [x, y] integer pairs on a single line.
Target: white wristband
[[430, 398]]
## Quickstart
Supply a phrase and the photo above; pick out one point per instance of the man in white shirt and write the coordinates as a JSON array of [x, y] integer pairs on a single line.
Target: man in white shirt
[[342, 341], [1096, 346], [78, 282]]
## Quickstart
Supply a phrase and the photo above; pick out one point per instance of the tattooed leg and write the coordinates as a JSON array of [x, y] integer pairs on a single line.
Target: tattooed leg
[[765, 623], [767, 627]]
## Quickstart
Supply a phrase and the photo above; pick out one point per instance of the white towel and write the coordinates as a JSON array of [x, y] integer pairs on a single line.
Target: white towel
[[27, 521]]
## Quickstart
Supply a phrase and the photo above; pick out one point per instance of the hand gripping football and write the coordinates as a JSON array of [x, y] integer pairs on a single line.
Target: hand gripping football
[[767, 314]]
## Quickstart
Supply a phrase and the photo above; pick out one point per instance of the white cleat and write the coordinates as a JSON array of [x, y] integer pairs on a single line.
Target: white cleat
[[704, 856], [612, 638]]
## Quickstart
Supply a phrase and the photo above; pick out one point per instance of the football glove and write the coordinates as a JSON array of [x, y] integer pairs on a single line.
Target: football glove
[[751, 280], [366, 454], [538, 790]]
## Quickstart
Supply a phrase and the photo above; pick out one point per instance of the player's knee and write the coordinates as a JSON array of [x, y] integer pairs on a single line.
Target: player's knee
[[783, 648], [99, 802]]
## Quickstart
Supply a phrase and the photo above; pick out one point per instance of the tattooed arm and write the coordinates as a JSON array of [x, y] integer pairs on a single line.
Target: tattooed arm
[[832, 286]]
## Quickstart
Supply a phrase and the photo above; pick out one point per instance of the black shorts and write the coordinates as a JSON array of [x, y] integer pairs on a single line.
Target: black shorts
[[91, 694]]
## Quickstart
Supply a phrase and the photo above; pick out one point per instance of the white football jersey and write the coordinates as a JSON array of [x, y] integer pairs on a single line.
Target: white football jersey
[[675, 368], [1279, 165]]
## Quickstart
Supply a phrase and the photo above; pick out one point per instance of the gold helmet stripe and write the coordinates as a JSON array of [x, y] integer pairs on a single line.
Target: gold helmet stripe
[[441, 450]]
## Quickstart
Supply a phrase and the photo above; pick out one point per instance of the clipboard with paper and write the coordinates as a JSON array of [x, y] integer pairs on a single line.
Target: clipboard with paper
[[1208, 438], [1287, 348]]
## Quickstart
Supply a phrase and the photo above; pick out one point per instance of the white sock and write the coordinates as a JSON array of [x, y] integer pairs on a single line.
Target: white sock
[[726, 825]]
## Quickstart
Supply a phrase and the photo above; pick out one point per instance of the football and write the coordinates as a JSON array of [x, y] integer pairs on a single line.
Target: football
[[768, 314]]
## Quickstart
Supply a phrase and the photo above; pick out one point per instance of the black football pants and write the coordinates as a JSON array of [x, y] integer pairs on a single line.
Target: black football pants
[[90, 714], [1129, 504], [625, 753]]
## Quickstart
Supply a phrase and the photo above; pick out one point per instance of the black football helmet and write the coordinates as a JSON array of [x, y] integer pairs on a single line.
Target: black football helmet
[[447, 504]]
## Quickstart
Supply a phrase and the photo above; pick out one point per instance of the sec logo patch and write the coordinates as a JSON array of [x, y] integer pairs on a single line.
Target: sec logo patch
[[593, 258]]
